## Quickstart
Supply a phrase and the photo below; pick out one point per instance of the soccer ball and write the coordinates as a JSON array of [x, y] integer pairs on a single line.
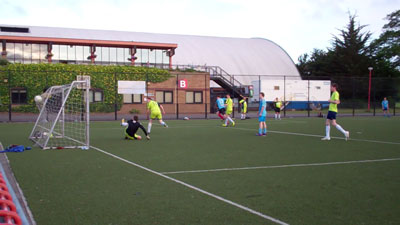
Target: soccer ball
[[47, 134], [186, 118], [38, 99]]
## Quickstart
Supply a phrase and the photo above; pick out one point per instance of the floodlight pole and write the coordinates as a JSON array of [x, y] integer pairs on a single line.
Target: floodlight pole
[[369, 87]]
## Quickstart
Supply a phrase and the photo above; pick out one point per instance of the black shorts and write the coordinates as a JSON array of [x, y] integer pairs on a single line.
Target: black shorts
[[331, 115], [277, 109], [222, 111]]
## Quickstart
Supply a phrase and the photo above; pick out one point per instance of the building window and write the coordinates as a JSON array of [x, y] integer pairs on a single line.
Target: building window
[[132, 99], [95, 95], [18, 95], [15, 29], [10, 47], [18, 53], [27, 53], [165, 97], [194, 97]]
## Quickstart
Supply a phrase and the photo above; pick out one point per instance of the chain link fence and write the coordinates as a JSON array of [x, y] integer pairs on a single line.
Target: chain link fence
[[192, 94]]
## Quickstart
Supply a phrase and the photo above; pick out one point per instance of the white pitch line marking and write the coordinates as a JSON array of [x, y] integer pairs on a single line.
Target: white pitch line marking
[[282, 166], [319, 136], [194, 188]]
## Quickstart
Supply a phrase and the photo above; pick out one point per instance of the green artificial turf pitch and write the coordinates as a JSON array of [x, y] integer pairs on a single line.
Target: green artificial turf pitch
[[91, 187]]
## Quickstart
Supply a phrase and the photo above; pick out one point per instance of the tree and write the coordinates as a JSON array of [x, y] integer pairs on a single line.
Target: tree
[[348, 55], [386, 49], [350, 50], [317, 64]]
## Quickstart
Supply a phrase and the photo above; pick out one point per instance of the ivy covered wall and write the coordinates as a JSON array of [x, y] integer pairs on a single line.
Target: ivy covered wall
[[36, 77]]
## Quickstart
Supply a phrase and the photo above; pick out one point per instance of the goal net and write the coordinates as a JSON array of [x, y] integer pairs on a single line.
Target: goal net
[[63, 121]]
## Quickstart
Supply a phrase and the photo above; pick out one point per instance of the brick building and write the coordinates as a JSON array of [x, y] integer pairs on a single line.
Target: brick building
[[184, 93]]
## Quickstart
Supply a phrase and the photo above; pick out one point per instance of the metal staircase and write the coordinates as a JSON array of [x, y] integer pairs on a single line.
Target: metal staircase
[[227, 81], [221, 77]]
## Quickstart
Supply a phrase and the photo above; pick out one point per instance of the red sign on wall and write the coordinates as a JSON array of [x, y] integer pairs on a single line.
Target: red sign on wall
[[183, 83]]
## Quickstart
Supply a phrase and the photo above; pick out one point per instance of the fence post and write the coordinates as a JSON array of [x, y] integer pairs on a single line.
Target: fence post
[[354, 94], [147, 94], [374, 99], [233, 95], [259, 90], [205, 95], [116, 97], [284, 96], [308, 99], [177, 96], [10, 97]]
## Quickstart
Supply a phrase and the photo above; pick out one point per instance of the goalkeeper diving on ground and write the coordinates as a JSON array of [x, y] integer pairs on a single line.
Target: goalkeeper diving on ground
[[132, 128]]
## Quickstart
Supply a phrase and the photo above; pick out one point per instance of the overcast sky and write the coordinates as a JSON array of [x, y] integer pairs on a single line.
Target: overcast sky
[[296, 25]]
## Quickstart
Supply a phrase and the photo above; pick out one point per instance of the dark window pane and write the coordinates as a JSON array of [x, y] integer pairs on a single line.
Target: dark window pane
[[22, 97], [15, 29], [18, 96]]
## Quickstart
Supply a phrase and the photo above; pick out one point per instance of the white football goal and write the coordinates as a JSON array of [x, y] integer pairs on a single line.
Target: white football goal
[[63, 121]]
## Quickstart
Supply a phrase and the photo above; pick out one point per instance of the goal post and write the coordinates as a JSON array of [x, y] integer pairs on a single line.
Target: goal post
[[63, 121]]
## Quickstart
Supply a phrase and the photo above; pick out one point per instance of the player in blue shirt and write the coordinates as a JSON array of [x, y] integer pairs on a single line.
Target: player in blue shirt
[[221, 107], [385, 107], [262, 115]]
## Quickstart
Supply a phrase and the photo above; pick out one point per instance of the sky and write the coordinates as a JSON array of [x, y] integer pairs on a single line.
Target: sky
[[298, 26]]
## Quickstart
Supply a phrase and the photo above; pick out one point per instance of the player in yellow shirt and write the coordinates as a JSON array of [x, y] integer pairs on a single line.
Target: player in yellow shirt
[[277, 108], [331, 118], [229, 105], [229, 110], [243, 107], [154, 108]]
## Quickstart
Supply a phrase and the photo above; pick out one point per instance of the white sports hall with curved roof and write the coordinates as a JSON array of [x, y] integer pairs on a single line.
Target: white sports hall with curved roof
[[238, 56]]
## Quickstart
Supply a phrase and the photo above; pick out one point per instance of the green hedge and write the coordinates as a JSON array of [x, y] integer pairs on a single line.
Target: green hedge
[[36, 77]]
